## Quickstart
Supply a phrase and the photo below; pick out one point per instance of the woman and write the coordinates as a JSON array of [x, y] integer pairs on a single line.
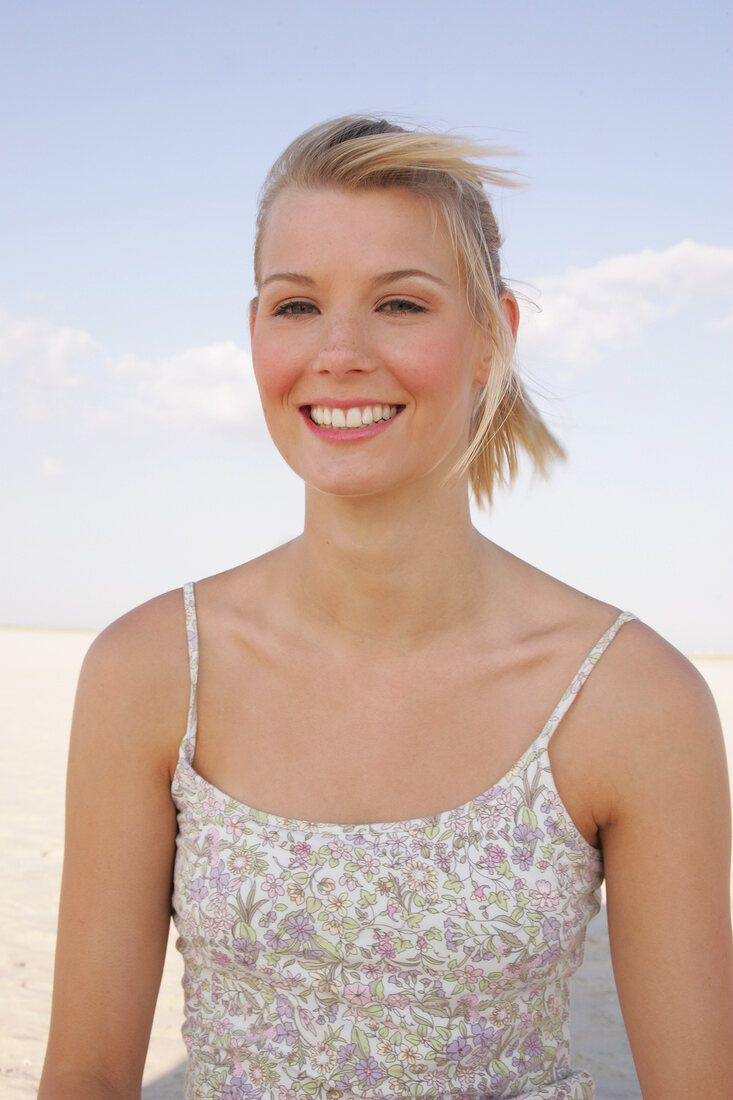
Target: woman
[[352, 926]]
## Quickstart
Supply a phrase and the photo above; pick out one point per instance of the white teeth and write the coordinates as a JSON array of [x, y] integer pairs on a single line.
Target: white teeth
[[355, 417]]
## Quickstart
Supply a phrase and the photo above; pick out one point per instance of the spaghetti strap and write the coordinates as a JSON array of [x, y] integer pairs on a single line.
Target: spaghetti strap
[[582, 675], [188, 745]]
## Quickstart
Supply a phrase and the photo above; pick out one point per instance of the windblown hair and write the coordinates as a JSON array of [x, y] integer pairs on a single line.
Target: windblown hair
[[448, 170]]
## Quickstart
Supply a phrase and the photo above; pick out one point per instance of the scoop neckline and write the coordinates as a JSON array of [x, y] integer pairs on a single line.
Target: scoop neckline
[[437, 820], [325, 828]]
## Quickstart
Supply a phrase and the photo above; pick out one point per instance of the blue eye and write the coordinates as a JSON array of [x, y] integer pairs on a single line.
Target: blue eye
[[293, 309]]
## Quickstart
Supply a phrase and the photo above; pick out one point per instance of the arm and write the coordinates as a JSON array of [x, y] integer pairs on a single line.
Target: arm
[[666, 845], [129, 716]]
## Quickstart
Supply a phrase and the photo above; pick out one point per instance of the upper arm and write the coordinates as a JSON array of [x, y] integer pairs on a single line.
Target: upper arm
[[119, 848], [666, 846]]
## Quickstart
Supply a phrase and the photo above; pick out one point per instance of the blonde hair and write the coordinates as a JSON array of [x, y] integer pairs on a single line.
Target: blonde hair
[[356, 152]]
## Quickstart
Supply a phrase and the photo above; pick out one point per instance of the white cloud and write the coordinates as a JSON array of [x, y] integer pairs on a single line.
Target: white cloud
[[585, 311], [42, 355], [213, 383], [39, 364]]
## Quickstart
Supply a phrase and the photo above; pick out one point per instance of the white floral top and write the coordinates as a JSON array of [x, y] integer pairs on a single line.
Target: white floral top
[[427, 958]]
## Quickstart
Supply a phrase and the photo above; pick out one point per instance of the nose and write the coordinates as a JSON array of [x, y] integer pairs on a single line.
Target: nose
[[344, 347]]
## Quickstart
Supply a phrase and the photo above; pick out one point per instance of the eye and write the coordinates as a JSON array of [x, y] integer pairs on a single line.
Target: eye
[[293, 309], [401, 305]]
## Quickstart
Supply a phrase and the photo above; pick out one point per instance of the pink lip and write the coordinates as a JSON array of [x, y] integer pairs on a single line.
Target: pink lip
[[344, 435]]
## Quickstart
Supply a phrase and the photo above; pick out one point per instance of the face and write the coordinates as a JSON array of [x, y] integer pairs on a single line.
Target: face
[[365, 353]]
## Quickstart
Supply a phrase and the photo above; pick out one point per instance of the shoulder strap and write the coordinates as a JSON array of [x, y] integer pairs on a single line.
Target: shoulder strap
[[583, 673], [188, 744]]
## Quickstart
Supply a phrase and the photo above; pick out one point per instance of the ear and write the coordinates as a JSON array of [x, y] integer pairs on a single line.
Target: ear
[[510, 312], [510, 309], [252, 316]]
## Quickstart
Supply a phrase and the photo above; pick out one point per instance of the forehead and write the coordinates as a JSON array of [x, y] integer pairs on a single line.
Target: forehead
[[385, 228]]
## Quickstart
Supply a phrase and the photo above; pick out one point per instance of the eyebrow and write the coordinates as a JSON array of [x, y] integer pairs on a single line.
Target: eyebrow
[[378, 280]]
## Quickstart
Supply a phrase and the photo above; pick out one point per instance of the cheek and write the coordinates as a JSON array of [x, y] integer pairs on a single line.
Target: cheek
[[441, 368], [274, 369]]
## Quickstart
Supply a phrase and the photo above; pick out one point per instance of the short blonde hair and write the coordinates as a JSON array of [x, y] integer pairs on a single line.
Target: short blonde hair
[[357, 152]]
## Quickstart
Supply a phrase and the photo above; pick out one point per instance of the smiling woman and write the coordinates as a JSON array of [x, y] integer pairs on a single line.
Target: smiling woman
[[388, 765]]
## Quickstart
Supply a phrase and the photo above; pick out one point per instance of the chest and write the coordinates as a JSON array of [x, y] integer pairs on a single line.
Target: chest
[[331, 736]]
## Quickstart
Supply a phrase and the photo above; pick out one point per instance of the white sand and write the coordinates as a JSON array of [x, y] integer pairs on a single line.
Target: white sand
[[38, 671]]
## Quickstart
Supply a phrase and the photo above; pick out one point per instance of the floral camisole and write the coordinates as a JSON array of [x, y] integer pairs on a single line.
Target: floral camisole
[[427, 958]]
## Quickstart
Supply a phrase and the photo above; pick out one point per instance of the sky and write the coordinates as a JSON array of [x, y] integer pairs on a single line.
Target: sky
[[135, 138]]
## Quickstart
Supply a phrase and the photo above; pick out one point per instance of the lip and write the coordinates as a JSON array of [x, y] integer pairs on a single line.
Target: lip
[[346, 435]]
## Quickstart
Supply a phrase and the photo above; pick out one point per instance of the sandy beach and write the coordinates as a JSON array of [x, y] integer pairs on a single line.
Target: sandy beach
[[38, 671]]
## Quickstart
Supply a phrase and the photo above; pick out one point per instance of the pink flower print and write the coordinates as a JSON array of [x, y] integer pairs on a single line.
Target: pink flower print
[[349, 882], [422, 943], [274, 887], [369, 865], [507, 802], [544, 898], [519, 884], [459, 909], [359, 993], [339, 850], [393, 910], [496, 855], [301, 854], [384, 944]]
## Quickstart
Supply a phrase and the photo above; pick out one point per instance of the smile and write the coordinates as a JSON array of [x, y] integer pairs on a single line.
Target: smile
[[359, 416]]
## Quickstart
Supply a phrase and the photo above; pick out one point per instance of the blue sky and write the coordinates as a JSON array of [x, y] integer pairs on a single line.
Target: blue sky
[[136, 137]]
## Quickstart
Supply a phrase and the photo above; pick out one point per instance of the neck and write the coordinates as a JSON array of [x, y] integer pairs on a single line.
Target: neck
[[401, 569]]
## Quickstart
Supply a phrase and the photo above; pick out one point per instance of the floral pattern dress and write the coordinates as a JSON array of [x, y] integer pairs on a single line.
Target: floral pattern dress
[[427, 958]]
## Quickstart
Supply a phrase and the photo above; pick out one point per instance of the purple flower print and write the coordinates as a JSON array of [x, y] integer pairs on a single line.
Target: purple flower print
[[284, 1007], [219, 876], [274, 938], [199, 889], [551, 928], [522, 856], [482, 1033], [286, 1032], [533, 1047], [368, 1072], [524, 835], [457, 1049], [299, 927], [345, 1053]]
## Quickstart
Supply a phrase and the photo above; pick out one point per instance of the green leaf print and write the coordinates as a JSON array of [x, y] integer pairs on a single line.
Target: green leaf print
[[358, 1037]]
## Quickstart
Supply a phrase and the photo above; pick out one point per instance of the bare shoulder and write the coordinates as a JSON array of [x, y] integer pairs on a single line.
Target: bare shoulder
[[135, 677], [658, 726]]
